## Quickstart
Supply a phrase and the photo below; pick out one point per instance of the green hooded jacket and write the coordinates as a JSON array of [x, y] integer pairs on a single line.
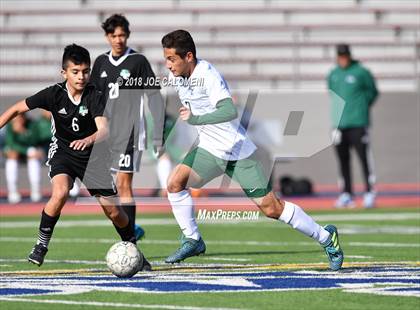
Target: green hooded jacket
[[354, 87]]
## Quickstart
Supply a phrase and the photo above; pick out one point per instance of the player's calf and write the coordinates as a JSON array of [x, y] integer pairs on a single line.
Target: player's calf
[[270, 205], [58, 198]]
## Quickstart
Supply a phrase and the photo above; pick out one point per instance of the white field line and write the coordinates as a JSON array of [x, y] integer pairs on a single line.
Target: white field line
[[396, 216], [56, 261], [216, 242], [385, 229], [359, 256], [107, 304]]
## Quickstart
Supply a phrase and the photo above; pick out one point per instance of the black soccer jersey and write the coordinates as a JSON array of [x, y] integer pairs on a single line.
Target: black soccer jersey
[[70, 120], [124, 81], [130, 71]]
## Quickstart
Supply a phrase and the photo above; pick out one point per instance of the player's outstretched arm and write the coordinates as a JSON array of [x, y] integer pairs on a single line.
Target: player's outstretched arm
[[100, 135], [225, 112], [16, 109]]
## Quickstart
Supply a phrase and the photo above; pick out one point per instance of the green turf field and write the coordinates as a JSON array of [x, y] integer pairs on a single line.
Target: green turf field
[[248, 264]]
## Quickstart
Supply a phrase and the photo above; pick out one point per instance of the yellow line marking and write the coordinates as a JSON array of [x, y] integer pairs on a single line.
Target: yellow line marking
[[213, 268]]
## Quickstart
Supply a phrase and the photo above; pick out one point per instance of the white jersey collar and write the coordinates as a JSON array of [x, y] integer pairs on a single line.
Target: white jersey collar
[[71, 97], [118, 62]]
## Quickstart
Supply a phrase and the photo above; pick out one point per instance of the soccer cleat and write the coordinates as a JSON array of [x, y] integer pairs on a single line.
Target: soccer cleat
[[332, 248], [344, 201], [138, 232], [37, 254], [189, 247], [146, 265], [369, 200]]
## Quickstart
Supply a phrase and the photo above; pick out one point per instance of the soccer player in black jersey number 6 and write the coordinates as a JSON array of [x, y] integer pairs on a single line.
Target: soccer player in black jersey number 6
[[76, 107]]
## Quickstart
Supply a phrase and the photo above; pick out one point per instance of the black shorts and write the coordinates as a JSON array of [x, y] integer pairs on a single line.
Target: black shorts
[[128, 161], [94, 174]]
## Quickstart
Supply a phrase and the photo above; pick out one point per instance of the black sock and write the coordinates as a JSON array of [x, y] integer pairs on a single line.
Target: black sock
[[46, 228], [126, 233], [130, 210]]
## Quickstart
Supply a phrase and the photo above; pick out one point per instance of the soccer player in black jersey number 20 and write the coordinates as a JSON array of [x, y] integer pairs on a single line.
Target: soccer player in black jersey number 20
[[125, 76], [78, 123]]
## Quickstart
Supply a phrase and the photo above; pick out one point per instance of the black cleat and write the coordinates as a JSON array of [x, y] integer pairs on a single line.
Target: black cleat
[[146, 265], [37, 254]]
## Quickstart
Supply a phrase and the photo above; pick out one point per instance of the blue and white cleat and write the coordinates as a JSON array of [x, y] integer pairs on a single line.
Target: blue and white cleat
[[332, 248], [138, 232], [189, 247]]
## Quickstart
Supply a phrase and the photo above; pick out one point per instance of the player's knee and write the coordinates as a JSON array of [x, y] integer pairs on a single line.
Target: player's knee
[[60, 194], [174, 186]]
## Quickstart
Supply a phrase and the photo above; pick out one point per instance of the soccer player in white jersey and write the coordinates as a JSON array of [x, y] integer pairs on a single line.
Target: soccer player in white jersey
[[223, 148]]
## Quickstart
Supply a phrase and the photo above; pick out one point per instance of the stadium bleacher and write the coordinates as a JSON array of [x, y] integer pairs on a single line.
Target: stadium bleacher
[[264, 44]]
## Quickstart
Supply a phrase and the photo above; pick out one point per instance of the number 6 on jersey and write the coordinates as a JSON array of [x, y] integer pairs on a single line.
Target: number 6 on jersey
[[74, 124]]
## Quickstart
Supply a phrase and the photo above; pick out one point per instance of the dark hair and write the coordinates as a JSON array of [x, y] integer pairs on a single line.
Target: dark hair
[[343, 49], [114, 21], [76, 54], [181, 41]]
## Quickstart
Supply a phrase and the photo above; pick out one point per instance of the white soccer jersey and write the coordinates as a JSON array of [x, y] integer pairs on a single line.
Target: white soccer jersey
[[201, 92]]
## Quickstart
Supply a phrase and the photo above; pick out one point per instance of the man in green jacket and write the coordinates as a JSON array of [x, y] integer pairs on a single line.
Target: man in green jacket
[[353, 85]]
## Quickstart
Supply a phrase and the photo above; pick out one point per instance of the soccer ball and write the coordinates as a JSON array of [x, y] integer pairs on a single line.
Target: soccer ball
[[124, 260]]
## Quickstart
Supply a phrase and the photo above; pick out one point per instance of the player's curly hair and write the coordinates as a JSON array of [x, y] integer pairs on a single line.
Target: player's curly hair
[[181, 41], [114, 21], [76, 54]]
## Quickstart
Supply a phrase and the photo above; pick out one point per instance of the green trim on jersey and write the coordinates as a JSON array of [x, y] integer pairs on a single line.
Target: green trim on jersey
[[247, 172], [225, 112]]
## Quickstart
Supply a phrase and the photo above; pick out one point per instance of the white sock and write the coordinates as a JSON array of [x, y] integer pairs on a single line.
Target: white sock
[[34, 174], [183, 210], [163, 170], [299, 220], [11, 175], [75, 190]]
